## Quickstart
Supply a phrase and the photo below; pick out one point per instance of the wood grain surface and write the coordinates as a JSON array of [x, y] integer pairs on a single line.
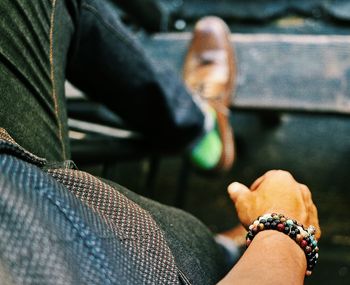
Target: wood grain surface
[[295, 73]]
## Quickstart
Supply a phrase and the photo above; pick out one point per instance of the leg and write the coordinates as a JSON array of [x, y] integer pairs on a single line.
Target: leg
[[111, 67], [156, 103], [50, 236], [149, 224], [192, 244]]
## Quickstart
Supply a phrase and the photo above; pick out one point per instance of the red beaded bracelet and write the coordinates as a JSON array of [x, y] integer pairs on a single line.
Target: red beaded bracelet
[[304, 238]]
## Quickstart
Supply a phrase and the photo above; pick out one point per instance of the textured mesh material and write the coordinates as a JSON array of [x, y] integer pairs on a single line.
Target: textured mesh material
[[46, 236], [135, 228], [90, 234]]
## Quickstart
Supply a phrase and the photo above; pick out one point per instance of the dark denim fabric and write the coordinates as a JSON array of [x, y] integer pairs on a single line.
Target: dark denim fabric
[[110, 66], [41, 41], [34, 40], [196, 253]]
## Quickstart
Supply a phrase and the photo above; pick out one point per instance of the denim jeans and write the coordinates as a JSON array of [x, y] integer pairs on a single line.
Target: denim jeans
[[44, 42]]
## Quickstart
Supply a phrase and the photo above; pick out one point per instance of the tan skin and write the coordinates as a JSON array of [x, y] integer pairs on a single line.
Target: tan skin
[[272, 257]]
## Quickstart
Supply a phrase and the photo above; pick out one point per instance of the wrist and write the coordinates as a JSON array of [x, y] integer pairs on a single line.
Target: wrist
[[272, 258], [284, 246], [304, 238], [280, 252]]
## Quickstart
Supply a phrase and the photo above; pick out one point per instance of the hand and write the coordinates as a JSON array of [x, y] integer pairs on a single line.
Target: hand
[[275, 192]]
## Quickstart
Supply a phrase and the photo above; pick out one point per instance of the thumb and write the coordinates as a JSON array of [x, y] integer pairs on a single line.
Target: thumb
[[236, 190]]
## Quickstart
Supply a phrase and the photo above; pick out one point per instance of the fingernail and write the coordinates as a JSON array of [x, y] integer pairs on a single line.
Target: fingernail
[[234, 187]]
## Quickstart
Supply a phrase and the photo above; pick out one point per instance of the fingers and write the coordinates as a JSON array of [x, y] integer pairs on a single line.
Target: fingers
[[237, 190], [311, 208], [266, 194], [261, 179], [273, 176], [306, 193], [314, 221], [257, 183]]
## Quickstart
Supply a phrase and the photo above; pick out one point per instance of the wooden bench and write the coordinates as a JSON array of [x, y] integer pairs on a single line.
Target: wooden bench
[[277, 72]]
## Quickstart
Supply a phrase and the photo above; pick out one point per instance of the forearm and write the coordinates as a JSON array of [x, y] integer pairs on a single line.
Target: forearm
[[272, 258]]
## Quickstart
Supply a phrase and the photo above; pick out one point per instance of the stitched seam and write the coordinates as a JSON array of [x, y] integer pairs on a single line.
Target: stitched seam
[[45, 189], [183, 277], [52, 76], [79, 226]]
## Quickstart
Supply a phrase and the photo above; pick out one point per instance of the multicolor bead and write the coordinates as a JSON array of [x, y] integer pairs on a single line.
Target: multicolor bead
[[261, 226], [311, 230], [305, 238], [248, 242], [280, 227], [299, 238], [303, 243]]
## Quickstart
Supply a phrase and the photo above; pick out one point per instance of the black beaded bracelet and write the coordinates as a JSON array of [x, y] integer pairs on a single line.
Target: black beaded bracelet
[[304, 238]]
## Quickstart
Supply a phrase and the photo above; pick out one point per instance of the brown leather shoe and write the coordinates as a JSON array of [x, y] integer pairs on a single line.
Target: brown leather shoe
[[210, 72]]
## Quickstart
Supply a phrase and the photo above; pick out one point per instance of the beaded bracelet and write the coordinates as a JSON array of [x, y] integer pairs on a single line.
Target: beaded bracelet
[[304, 238]]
